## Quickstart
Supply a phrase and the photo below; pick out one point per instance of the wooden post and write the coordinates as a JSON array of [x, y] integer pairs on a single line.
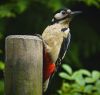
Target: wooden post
[[24, 62]]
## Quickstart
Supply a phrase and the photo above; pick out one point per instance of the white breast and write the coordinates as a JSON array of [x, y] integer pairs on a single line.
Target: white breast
[[53, 37]]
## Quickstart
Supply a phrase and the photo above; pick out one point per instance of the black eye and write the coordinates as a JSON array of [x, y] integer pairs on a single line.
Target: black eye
[[63, 12]]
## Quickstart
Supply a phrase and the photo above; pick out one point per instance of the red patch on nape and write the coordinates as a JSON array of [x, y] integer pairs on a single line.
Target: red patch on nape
[[48, 66]]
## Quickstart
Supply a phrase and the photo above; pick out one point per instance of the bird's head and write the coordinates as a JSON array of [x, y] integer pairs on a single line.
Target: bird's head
[[63, 15]]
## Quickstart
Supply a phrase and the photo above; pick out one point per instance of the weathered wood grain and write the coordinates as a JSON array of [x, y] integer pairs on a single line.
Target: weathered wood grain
[[24, 63]]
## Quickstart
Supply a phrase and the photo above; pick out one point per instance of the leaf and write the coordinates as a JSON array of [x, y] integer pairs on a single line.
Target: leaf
[[89, 80], [80, 80], [2, 65], [5, 11], [75, 93], [65, 76], [66, 85], [77, 76], [55, 4], [67, 68], [96, 93], [97, 85], [88, 89], [85, 72], [21, 6], [77, 88], [95, 75], [59, 92]]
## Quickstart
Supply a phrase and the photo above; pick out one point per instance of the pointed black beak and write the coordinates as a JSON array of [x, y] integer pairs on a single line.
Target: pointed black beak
[[76, 12]]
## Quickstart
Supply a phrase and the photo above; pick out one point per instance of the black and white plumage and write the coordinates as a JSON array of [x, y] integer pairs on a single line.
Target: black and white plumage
[[64, 48], [56, 38], [61, 15]]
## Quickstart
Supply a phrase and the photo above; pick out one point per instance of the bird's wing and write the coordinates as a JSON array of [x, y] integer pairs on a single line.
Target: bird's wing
[[63, 50]]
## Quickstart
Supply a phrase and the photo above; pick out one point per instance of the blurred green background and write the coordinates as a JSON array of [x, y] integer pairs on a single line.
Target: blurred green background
[[27, 17]]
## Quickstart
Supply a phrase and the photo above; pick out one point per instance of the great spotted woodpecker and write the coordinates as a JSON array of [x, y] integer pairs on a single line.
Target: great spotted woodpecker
[[56, 38]]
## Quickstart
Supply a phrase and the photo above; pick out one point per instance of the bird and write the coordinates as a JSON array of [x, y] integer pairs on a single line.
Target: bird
[[56, 39]]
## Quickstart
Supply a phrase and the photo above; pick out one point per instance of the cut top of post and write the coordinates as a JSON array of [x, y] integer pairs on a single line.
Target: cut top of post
[[23, 37]]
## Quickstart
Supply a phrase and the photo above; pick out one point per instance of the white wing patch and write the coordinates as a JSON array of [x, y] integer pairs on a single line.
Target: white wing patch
[[67, 31], [63, 49]]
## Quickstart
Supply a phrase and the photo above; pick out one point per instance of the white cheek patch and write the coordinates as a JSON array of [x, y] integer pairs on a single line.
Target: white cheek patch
[[58, 16]]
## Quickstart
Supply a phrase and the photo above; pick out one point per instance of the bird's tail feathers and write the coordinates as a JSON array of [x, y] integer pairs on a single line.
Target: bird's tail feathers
[[45, 85]]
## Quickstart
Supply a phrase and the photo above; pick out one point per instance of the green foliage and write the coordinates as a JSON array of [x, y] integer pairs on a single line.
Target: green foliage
[[67, 68], [92, 2], [1, 87], [2, 65], [80, 82], [95, 3], [11, 9], [5, 11]]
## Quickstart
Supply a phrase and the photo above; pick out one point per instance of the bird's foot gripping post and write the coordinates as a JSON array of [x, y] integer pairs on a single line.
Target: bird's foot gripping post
[[24, 64]]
